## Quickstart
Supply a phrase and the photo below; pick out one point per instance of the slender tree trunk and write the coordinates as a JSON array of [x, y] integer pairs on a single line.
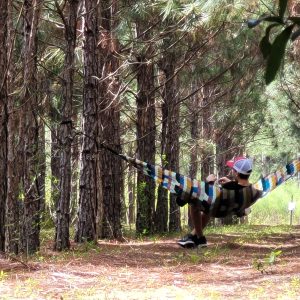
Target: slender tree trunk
[[171, 115], [3, 118], [54, 150], [90, 193], [109, 122], [162, 210], [65, 134], [41, 180], [145, 136], [12, 228], [75, 172], [224, 143], [131, 194], [207, 136], [195, 132], [169, 144], [162, 206], [29, 131], [54, 160]]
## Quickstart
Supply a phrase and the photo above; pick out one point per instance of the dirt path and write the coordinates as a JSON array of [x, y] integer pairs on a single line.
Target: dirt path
[[234, 266]]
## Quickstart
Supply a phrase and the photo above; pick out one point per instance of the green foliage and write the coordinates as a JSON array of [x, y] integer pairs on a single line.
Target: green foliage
[[265, 265], [193, 258], [274, 52], [278, 139], [273, 209], [170, 7], [249, 233]]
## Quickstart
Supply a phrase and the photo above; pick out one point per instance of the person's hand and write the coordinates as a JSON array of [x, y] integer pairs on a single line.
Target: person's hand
[[223, 180], [211, 178]]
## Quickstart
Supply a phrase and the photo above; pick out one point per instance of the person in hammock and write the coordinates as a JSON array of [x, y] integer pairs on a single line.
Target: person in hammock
[[235, 197]]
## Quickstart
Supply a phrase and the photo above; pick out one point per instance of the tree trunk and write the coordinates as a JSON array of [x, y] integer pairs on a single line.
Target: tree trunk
[[170, 145], [162, 206], [29, 131], [195, 132], [207, 137], [54, 160], [3, 118], [223, 153], [109, 123], [12, 228], [90, 186], [75, 173], [146, 133], [41, 180], [131, 194], [65, 135], [171, 114], [162, 210]]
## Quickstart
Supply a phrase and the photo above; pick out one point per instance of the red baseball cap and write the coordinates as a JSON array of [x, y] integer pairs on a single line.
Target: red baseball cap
[[231, 162], [241, 165]]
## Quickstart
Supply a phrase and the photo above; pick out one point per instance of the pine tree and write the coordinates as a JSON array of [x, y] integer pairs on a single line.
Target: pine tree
[[109, 120], [66, 126], [90, 185], [29, 131], [3, 118]]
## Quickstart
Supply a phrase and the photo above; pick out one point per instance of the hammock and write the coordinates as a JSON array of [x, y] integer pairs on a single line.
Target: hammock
[[177, 183], [185, 186]]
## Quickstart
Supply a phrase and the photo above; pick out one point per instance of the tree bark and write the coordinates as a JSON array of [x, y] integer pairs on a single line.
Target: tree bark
[[146, 133], [65, 135], [207, 132], [54, 160], [75, 171], [29, 131], [131, 194], [12, 224], [171, 115], [3, 118], [167, 209], [162, 206], [90, 186], [195, 132], [109, 122]]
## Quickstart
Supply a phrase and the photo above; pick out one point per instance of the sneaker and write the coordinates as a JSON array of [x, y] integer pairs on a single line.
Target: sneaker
[[192, 241], [200, 242], [187, 241]]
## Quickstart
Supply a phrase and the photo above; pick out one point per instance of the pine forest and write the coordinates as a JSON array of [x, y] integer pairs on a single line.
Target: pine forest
[[182, 84]]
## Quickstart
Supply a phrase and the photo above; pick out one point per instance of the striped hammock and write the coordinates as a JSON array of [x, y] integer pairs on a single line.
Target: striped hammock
[[178, 184]]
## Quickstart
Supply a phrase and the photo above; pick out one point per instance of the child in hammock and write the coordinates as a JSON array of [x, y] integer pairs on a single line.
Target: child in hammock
[[236, 196]]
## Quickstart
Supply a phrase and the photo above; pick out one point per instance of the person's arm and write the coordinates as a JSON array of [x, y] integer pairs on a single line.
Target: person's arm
[[211, 179], [224, 180]]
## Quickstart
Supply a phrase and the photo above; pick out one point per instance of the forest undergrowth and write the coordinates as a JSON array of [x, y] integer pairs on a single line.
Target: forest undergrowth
[[241, 261]]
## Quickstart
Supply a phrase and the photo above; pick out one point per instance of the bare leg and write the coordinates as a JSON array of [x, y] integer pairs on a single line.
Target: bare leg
[[200, 220]]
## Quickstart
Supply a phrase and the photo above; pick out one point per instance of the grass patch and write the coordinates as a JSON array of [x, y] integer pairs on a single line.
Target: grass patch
[[249, 233], [273, 209]]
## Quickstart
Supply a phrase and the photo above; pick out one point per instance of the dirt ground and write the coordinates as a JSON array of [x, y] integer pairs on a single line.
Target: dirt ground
[[233, 266]]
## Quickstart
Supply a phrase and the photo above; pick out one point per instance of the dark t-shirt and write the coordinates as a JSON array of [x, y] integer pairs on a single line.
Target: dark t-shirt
[[234, 199], [232, 185]]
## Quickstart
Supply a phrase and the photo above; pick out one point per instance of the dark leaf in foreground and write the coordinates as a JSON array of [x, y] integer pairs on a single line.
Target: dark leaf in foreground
[[277, 53]]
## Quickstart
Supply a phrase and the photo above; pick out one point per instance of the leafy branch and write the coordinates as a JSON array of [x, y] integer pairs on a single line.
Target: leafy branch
[[274, 52]]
